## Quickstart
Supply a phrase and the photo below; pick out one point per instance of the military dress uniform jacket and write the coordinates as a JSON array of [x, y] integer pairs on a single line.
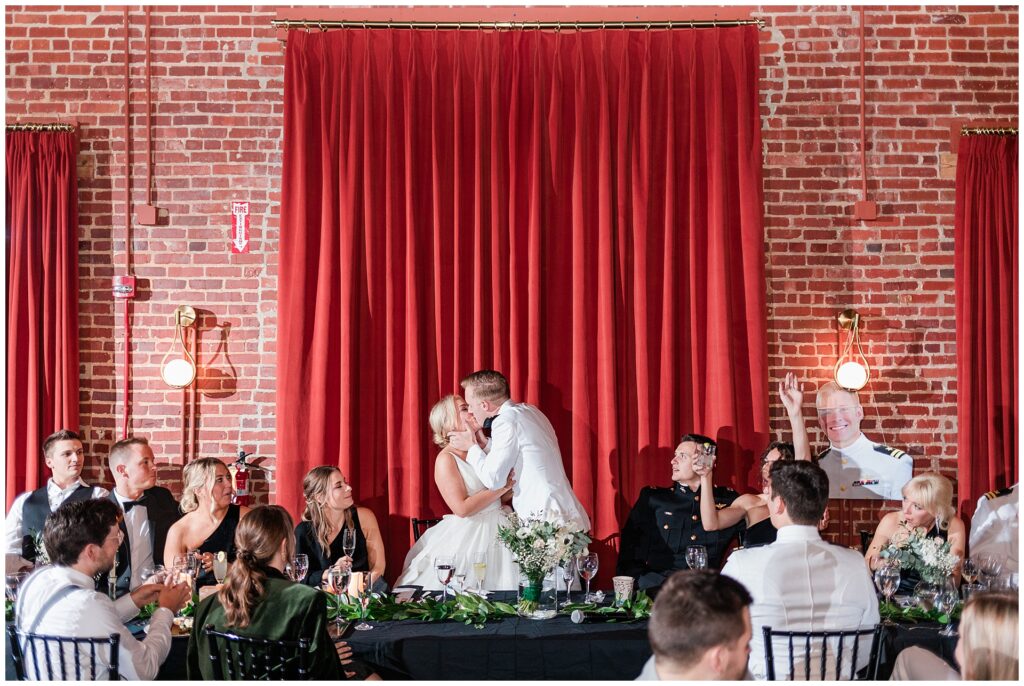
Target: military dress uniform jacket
[[995, 525], [661, 525], [866, 470]]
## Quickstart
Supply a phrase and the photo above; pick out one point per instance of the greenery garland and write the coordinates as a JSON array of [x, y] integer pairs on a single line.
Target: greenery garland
[[467, 608], [914, 614]]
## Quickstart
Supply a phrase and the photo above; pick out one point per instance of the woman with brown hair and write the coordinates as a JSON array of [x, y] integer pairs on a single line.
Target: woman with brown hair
[[258, 600], [330, 513], [208, 526]]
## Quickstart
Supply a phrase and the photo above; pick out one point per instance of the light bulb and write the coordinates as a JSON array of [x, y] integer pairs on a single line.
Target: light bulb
[[178, 372], [852, 376]]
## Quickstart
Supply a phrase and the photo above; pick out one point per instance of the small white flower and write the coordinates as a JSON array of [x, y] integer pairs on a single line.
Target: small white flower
[[524, 533]]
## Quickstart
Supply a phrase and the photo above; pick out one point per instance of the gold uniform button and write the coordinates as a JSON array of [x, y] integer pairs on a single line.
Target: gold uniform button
[[693, 537], [694, 517], [845, 461], [842, 488], [666, 526]]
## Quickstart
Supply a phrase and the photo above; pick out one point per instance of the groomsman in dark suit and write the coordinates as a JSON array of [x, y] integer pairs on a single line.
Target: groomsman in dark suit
[[149, 511]]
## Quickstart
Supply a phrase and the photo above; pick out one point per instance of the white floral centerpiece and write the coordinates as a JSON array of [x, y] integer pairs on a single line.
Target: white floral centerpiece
[[42, 557], [539, 545], [928, 555]]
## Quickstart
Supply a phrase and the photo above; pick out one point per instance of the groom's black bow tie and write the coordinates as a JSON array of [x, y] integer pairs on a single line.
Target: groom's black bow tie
[[487, 425], [129, 504]]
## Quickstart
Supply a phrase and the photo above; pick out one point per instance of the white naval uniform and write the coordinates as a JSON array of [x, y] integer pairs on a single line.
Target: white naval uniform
[[995, 525], [866, 470]]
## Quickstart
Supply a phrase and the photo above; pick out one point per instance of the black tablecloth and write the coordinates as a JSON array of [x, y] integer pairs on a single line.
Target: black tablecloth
[[513, 648], [923, 635]]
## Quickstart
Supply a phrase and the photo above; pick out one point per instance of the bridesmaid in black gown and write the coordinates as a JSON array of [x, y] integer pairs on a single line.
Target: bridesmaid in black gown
[[210, 517]]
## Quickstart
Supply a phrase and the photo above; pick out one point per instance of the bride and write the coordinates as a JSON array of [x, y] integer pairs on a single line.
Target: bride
[[473, 528]]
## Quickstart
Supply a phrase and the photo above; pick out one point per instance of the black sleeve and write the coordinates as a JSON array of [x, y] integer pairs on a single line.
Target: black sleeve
[[633, 544]]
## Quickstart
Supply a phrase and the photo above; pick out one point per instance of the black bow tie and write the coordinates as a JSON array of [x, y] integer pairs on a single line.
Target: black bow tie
[[487, 425], [129, 504]]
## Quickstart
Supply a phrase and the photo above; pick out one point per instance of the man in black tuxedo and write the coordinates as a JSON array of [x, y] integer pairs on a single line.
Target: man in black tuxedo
[[149, 511]]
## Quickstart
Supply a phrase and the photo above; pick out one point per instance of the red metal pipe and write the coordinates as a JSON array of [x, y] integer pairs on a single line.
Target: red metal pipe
[[863, 137], [127, 224], [195, 384], [149, 119]]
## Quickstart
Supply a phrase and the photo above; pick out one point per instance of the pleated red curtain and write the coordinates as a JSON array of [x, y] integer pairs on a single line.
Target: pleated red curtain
[[581, 210], [42, 299], [986, 315]]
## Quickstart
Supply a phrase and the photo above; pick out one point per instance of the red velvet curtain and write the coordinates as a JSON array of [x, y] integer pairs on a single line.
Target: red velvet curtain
[[986, 315], [581, 210], [42, 299]]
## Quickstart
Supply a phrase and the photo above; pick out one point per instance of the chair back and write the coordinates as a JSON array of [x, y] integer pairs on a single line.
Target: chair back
[[421, 525], [245, 658], [812, 648], [865, 541], [62, 658]]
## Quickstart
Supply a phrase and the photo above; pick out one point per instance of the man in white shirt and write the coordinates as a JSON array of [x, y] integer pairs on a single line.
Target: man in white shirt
[[65, 457], [995, 526], [699, 630], [857, 467], [82, 538], [149, 511], [799, 582], [522, 440]]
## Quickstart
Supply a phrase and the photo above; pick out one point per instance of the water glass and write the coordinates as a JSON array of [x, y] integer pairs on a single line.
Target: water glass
[[364, 585], [444, 565], [587, 565], [336, 580], [300, 565], [990, 566], [945, 601], [696, 557]]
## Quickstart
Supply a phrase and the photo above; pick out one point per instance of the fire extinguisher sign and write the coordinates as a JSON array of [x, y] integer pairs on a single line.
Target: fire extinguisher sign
[[240, 227]]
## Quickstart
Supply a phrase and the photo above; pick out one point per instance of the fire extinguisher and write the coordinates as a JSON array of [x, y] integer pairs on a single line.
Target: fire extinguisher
[[240, 477]]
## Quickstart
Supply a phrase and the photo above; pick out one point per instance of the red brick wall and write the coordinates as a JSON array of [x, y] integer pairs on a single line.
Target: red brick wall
[[217, 114]]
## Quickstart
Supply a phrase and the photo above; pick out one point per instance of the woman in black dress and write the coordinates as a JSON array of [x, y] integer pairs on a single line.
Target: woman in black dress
[[210, 520], [330, 511]]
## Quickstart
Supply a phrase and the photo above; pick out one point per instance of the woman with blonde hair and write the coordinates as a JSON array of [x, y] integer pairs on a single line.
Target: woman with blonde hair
[[257, 600], [208, 526], [470, 535], [928, 507], [330, 512]]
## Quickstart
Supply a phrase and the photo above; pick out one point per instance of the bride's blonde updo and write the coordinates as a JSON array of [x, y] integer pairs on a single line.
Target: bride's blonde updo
[[444, 417]]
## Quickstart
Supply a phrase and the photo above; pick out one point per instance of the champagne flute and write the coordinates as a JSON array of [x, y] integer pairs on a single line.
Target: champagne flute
[[588, 570], [348, 541], [220, 566], [696, 557], [445, 567], [480, 570], [970, 571]]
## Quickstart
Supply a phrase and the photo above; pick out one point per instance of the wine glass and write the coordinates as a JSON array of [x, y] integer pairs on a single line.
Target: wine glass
[[969, 571], [990, 566], [336, 579], [348, 541], [568, 570], [220, 566], [300, 565], [696, 557], [479, 570], [153, 575], [364, 587], [13, 582], [705, 456], [889, 575], [945, 600], [445, 566], [588, 569]]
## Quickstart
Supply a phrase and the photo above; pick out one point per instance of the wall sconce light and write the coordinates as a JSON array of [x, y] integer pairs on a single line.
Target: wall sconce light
[[179, 367], [852, 370]]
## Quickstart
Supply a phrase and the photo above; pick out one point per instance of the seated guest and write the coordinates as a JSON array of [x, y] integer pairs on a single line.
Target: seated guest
[[987, 649], [800, 582], [330, 510], [995, 525], [149, 511], [81, 539], [699, 629], [472, 529], [258, 600], [665, 521], [208, 526], [927, 505], [65, 457]]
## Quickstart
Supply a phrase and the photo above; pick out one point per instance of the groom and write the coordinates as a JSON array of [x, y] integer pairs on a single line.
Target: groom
[[521, 440]]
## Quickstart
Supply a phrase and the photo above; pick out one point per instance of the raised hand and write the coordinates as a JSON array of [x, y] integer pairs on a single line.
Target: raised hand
[[791, 394], [461, 440]]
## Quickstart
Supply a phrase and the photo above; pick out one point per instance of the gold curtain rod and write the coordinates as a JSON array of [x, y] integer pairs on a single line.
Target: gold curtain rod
[[41, 127], [511, 25], [976, 130]]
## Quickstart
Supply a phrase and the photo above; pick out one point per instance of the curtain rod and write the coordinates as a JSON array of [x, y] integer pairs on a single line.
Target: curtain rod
[[975, 130], [522, 25], [40, 127]]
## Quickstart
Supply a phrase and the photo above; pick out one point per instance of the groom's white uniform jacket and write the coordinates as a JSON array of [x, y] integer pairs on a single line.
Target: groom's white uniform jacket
[[522, 439]]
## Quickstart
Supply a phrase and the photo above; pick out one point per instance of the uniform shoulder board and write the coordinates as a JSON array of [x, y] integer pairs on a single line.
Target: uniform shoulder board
[[891, 452], [992, 495]]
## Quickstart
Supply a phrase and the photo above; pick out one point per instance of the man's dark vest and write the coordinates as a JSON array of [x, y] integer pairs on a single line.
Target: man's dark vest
[[35, 512], [162, 511]]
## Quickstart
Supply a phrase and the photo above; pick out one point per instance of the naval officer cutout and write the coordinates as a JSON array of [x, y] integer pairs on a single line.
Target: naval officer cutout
[[995, 526], [857, 467]]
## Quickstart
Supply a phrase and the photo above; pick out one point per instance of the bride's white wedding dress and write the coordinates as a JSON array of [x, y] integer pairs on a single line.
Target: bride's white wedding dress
[[462, 538]]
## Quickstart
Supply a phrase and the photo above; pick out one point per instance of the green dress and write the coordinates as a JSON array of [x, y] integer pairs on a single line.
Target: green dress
[[287, 611]]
